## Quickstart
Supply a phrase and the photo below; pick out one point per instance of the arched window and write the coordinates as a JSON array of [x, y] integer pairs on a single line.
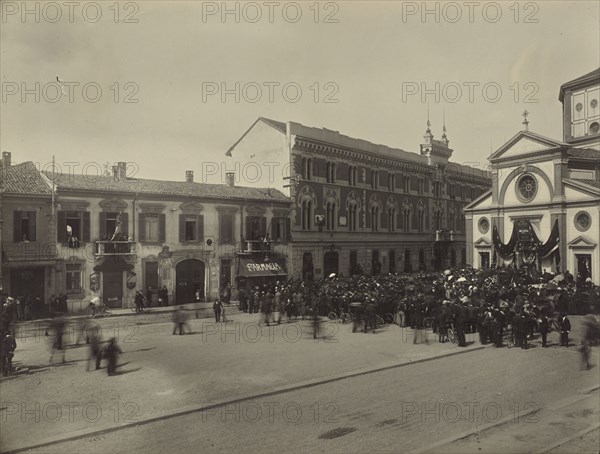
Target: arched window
[[375, 218], [391, 219], [307, 214], [331, 214], [352, 216]]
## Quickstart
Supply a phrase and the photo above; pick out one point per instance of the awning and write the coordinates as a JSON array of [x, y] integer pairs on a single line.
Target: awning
[[250, 268]]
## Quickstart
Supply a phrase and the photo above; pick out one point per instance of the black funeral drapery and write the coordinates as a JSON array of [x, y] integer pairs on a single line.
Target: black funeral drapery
[[552, 244], [505, 251]]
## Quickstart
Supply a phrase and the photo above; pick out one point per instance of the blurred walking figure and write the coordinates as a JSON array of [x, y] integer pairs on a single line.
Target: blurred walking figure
[[179, 319], [56, 330], [591, 335], [9, 345], [315, 319], [95, 353], [111, 353], [279, 304]]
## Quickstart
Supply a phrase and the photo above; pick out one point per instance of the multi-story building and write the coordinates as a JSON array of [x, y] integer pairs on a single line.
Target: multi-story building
[[111, 235], [28, 245], [544, 206], [358, 205]]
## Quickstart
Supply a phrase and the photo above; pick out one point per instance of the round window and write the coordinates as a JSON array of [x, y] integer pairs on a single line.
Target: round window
[[526, 188], [578, 107], [583, 221], [594, 103], [484, 225], [594, 127]]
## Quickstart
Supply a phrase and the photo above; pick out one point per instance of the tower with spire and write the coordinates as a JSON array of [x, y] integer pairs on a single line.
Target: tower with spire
[[437, 151]]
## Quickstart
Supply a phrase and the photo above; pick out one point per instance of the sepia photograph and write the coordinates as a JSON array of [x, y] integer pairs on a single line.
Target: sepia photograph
[[340, 227]]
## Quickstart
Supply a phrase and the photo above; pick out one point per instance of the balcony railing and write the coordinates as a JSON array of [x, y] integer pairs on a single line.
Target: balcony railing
[[256, 246], [444, 235], [104, 248]]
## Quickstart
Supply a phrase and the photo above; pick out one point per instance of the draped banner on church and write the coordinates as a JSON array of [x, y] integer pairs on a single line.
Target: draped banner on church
[[506, 251], [524, 240]]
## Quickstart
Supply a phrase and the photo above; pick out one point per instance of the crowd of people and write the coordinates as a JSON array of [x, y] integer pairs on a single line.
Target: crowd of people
[[495, 303]]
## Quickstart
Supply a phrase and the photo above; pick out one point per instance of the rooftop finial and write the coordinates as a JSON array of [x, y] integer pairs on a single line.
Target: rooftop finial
[[428, 122], [444, 127], [525, 121]]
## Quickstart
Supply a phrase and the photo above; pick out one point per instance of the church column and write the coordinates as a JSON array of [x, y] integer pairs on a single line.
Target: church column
[[558, 213], [560, 172], [469, 237]]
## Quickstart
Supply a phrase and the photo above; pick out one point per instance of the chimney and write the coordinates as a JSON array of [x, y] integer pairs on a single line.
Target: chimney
[[115, 170], [6, 158], [230, 179], [122, 170], [189, 176]]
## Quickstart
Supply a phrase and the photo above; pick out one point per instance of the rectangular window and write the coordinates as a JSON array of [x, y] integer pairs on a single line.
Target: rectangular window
[[256, 228], [406, 184], [151, 227], [73, 278], [191, 228], [24, 226], [279, 230], [226, 223]]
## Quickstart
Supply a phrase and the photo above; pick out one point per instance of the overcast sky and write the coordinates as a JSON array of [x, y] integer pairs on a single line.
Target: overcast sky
[[373, 58]]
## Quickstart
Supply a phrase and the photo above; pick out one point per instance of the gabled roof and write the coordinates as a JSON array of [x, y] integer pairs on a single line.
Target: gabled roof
[[26, 179], [92, 183], [592, 187], [586, 153], [544, 142], [587, 79], [278, 125], [581, 241], [476, 202]]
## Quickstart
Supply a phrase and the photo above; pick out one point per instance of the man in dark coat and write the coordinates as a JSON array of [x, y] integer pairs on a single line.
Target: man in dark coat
[[462, 316], [111, 353], [544, 328]]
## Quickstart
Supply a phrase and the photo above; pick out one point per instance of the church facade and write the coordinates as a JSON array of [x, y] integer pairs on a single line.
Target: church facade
[[543, 209]]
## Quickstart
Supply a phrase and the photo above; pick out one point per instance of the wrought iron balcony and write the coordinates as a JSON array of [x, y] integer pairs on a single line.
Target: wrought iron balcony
[[104, 248]]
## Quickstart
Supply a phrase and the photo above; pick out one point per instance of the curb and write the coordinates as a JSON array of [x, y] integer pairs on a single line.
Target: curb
[[201, 408]]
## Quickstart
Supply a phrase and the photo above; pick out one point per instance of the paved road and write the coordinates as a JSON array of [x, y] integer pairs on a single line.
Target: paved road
[[164, 374], [398, 410]]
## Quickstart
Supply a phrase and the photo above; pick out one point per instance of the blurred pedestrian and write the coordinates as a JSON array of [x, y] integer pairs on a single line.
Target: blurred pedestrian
[[95, 352], [179, 320], [111, 353], [56, 330], [565, 329], [218, 308], [7, 353]]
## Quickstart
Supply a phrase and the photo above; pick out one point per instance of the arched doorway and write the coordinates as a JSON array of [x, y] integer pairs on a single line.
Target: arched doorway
[[189, 277], [330, 263], [407, 264]]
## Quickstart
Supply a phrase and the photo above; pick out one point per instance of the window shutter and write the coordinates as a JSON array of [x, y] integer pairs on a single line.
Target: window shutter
[[223, 229], [31, 235], [182, 228], [263, 226], [248, 228], [17, 238], [288, 230], [200, 225], [61, 233], [85, 237], [102, 226], [125, 224], [162, 227], [142, 227]]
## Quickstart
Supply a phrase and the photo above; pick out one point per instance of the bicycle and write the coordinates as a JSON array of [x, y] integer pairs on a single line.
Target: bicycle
[[98, 310], [344, 317], [383, 322], [451, 334]]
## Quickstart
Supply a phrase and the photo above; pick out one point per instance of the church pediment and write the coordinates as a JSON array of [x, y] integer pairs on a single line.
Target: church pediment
[[525, 143], [482, 242], [582, 242]]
